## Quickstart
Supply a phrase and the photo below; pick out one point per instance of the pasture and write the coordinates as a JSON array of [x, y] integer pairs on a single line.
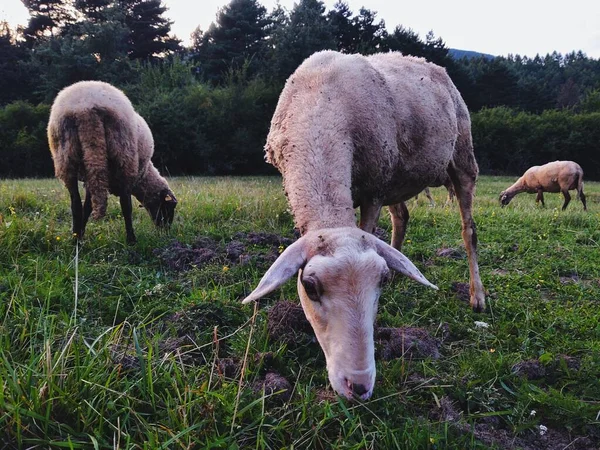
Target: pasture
[[148, 346]]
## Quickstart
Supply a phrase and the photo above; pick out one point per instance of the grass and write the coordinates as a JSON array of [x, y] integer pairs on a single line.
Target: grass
[[101, 370]]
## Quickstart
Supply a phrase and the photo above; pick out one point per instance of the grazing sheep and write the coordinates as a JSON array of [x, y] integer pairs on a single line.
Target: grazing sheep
[[353, 131], [449, 188], [96, 136], [557, 176]]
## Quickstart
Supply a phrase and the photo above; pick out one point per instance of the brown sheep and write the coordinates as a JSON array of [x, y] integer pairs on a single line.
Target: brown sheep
[[353, 131], [96, 136], [557, 176]]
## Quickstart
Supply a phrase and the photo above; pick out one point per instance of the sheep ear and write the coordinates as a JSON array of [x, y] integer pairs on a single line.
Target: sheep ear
[[285, 267], [170, 197], [400, 263]]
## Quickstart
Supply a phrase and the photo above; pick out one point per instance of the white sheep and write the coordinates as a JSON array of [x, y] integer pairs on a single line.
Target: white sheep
[[353, 131], [96, 136], [557, 176]]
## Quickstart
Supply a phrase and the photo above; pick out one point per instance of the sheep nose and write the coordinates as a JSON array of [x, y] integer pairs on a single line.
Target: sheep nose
[[359, 389]]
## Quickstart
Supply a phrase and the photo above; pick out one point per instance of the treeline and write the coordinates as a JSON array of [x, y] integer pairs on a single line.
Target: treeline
[[209, 105]]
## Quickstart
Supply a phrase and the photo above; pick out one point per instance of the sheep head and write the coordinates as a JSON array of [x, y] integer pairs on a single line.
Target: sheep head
[[161, 207], [340, 275], [505, 198]]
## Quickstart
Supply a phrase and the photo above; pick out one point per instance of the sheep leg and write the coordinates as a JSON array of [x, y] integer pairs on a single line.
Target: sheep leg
[[399, 215], [464, 187], [567, 199], [429, 197], [125, 200], [369, 215], [87, 210], [582, 198], [76, 209], [540, 197]]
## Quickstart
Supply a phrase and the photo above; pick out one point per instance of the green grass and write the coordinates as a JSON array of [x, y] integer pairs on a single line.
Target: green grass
[[96, 371]]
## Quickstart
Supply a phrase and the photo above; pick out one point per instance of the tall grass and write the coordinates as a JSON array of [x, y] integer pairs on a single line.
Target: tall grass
[[114, 369]]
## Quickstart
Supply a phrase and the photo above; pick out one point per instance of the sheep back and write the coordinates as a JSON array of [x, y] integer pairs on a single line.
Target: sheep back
[[383, 126]]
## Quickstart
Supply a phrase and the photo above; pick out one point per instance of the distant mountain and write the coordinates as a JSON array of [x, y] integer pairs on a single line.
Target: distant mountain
[[459, 54]]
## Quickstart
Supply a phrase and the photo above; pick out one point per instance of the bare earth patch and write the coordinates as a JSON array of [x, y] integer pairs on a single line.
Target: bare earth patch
[[286, 322], [461, 290], [275, 384], [264, 247], [492, 435], [405, 342]]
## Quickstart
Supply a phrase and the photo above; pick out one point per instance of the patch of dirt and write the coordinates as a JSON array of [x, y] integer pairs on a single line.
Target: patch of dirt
[[569, 279], [201, 318], [177, 256], [409, 342], [531, 369], [272, 383], [571, 362], [265, 360], [260, 238], [286, 322], [265, 247], [453, 253], [491, 434], [461, 290], [325, 395], [228, 367]]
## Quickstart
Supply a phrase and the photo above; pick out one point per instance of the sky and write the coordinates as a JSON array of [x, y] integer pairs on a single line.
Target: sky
[[524, 27]]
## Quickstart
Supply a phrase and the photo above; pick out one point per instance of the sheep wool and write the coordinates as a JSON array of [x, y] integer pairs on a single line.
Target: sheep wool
[[96, 136]]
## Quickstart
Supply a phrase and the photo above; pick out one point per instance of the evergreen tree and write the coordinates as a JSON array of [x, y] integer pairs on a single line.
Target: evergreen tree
[[342, 28], [148, 29], [307, 32], [14, 81], [236, 39], [46, 18], [371, 36], [405, 40]]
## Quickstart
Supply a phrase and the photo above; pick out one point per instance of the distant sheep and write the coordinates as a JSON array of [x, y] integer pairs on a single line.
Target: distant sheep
[[96, 136], [449, 188], [557, 176], [353, 131]]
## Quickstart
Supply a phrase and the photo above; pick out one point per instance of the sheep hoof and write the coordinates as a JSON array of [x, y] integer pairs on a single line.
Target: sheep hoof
[[131, 240], [478, 304]]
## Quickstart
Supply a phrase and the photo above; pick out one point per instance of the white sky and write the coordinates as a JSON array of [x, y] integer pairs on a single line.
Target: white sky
[[525, 27]]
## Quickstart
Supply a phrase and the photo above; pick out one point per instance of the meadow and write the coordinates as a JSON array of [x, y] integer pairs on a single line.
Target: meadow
[[104, 345]]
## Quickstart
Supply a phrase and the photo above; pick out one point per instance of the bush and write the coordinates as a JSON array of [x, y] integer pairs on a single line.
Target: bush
[[509, 142], [24, 148]]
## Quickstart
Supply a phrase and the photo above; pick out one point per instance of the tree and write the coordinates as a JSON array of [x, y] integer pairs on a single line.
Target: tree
[[307, 32], [237, 38], [148, 29], [46, 18], [405, 40], [14, 81]]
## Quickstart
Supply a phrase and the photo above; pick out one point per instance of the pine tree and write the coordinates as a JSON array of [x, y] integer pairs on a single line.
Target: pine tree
[[148, 29], [46, 18], [236, 39], [307, 32]]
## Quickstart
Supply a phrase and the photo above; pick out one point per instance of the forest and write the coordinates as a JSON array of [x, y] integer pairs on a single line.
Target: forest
[[209, 104]]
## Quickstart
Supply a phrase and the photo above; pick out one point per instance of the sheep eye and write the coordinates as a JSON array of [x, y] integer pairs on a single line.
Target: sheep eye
[[311, 287]]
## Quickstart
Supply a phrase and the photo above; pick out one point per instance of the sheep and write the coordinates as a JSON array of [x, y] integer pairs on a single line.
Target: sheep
[[96, 136], [353, 131], [557, 176], [449, 188]]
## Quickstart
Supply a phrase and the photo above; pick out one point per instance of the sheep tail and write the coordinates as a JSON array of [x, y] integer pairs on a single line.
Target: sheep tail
[[95, 160], [580, 186]]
